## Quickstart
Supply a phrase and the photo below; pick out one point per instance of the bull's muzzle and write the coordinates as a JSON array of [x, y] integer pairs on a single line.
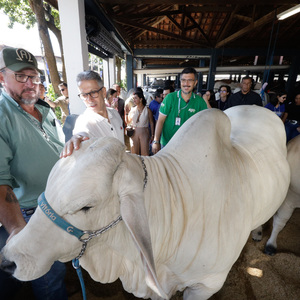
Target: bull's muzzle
[[6, 265]]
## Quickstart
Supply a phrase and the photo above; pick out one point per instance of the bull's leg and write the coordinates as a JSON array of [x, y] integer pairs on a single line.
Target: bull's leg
[[203, 291], [257, 233], [280, 219]]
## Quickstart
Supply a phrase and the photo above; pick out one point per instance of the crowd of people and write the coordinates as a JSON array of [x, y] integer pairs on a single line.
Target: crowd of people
[[159, 133], [31, 139]]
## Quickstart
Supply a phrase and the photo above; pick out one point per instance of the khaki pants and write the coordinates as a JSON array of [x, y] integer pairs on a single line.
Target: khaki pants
[[139, 143]]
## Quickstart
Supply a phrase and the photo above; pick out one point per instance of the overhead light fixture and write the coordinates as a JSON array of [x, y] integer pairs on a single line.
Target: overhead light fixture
[[289, 12]]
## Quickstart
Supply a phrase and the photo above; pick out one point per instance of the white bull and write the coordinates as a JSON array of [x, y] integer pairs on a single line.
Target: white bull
[[292, 199], [217, 179]]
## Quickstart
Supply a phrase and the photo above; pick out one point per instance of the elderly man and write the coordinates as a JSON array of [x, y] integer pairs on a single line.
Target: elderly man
[[176, 108], [30, 145], [245, 96], [97, 120]]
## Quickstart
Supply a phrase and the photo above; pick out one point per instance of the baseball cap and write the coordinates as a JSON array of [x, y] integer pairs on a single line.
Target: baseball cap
[[17, 59]]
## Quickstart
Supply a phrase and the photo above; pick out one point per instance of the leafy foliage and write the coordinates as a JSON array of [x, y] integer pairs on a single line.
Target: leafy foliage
[[19, 11], [52, 96]]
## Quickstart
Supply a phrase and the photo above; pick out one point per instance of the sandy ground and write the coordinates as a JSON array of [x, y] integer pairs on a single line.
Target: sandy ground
[[254, 276]]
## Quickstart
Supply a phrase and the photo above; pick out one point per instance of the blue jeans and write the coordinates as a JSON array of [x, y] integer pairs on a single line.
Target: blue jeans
[[51, 286]]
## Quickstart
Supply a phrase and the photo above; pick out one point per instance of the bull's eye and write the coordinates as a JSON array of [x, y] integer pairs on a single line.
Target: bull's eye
[[86, 208]]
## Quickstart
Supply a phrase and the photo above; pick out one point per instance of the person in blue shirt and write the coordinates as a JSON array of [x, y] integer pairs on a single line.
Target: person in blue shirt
[[155, 104], [277, 104]]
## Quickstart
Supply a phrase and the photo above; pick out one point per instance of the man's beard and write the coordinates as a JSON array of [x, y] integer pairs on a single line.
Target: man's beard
[[29, 101], [186, 93]]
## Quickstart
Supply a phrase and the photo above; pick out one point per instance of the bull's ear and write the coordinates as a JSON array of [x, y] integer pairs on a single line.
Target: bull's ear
[[134, 215]]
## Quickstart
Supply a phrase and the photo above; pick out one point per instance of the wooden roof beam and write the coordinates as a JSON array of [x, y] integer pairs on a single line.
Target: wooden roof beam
[[127, 22], [203, 2], [199, 28], [175, 22], [227, 23], [243, 18], [157, 21], [192, 9], [265, 19]]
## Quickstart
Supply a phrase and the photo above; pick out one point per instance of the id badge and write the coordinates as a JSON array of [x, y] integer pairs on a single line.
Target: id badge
[[177, 121]]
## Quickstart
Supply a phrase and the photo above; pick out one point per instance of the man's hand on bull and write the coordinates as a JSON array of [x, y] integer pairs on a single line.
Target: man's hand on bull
[[73, 144]]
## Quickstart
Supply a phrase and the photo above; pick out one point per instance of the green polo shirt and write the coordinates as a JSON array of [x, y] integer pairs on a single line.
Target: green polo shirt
[[29, 149], [169, 107]]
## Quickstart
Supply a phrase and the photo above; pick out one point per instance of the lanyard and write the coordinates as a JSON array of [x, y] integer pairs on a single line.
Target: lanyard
[[187, 103]]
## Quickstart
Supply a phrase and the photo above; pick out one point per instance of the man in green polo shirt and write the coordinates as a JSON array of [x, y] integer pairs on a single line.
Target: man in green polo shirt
[[30, 145], [176, 108]]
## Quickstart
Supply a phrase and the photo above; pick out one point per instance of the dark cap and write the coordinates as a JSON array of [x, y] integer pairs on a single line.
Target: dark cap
[[17, 59]]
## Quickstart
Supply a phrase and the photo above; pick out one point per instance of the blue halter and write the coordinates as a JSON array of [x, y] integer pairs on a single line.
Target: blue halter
[[54, 217], [66, 226]]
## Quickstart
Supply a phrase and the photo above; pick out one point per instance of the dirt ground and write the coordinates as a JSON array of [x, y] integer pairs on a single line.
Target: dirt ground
[[254, 276]]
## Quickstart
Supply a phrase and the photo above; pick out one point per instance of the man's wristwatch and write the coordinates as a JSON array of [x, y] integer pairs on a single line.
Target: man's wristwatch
[[156, 142]]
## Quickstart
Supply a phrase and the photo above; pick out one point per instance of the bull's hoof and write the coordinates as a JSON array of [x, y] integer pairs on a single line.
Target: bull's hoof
[[256, 236], [8, 266], [270, 250]]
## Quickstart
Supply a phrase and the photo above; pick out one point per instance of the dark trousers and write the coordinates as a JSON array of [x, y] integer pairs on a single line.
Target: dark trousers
[[51, 286]]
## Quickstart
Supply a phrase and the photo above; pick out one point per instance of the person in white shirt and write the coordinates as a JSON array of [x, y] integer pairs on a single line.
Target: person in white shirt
[[98, 120]]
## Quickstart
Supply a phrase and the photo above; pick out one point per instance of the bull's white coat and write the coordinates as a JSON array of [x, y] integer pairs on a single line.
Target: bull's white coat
[[292, 199], [217, 179]]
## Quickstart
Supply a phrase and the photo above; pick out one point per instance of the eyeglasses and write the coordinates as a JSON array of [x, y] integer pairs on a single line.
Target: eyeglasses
[[93, 94], [223, 91], [22, 78], [187, 80]]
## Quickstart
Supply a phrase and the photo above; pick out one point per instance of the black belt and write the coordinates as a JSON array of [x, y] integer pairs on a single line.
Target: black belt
[[28, 211]]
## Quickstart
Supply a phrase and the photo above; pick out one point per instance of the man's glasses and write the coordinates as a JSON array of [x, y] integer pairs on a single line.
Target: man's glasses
[[187, 80], [223, 91], [93, 94], [22, 78]]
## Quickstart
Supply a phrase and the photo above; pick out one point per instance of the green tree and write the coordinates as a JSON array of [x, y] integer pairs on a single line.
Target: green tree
[[46, 17]]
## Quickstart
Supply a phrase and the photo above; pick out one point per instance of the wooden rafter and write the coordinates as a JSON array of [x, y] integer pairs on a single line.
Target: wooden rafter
[[223, 31], [157, 21], [199, 28], [265, 19], [243, 18], [125, 21], [203, 2], [175, 22]]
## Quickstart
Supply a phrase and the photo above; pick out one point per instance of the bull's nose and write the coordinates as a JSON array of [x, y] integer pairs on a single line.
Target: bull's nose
[[8, 266]]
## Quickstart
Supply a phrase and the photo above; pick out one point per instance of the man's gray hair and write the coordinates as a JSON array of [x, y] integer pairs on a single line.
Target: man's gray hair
[[89, 75]]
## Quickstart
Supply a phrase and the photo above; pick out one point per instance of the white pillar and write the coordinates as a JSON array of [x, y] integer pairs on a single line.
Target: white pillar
[[72, 20], [112, 71], [139, 76], [106, 74]]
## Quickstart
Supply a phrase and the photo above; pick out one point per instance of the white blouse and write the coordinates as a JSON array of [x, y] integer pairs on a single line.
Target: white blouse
[[143, 119]]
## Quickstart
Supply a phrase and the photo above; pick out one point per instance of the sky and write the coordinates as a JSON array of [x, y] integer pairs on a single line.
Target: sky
[[21, 37]]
